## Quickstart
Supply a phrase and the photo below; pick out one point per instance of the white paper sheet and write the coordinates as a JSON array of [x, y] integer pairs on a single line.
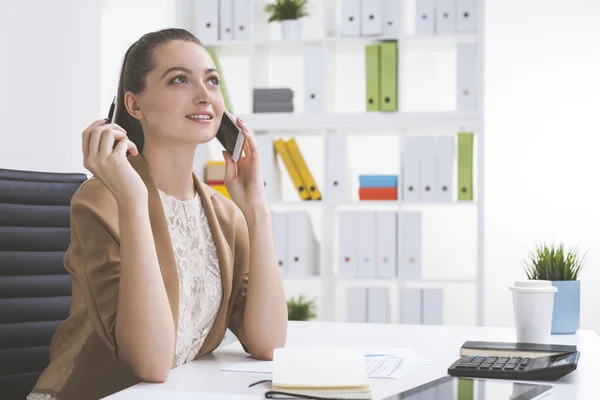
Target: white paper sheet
[[381, 362]]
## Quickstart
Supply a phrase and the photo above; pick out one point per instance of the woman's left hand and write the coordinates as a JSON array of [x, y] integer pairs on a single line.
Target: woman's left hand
[[244, 180]]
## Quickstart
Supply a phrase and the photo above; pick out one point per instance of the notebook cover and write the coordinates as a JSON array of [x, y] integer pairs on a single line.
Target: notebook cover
[[498, 348]]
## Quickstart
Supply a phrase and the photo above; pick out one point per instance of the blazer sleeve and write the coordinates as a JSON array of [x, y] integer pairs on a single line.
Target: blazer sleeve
[[240, 272], [94, 261]]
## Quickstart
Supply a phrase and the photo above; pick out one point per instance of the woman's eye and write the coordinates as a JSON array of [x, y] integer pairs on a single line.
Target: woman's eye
[[179, 79], [214, 80]]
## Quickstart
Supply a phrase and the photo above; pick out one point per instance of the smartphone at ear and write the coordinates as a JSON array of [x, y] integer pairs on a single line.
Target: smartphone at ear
[[230, 136]]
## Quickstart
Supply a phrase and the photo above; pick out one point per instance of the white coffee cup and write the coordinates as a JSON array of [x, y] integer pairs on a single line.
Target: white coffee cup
[[533, 301]]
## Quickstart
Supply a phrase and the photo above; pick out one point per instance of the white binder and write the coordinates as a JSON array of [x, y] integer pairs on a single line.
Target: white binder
[[351, 18], [302, 248], [466, 16], [267, 155], [425, 17], [279, 223], [206, 20], [433, 300], [356, 304], [226, 19], [410, 170], [466, 78], [241, 19], [371, 17], [378, 307], [366, 244], [427, 168], [410, 306], [314, 74], [337, 182], [445, 18], [387, 239], [390, 19], [347, 243], [411, 245], [445, 169]]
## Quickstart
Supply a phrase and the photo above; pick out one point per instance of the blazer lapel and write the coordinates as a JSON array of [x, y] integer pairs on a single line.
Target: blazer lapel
[[225, 260], [162, 237]]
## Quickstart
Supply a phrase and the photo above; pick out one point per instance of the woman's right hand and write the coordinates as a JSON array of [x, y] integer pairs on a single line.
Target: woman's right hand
[[109, 162]]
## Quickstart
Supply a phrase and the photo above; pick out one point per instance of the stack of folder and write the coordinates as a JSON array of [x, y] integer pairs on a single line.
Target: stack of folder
[[214, 176], [378, 187], [297, 169], [273, 100], [382, 76]]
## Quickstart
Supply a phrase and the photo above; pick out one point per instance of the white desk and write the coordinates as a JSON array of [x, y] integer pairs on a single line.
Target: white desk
[[203, 379]]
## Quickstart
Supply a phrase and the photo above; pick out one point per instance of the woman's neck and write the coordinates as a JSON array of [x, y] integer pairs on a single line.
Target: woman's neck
[[171, 169]]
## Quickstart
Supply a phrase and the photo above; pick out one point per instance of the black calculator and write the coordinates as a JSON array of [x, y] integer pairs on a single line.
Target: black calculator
[[548, 368]]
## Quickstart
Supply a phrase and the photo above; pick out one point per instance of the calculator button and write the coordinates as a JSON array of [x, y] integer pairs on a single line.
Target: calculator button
[[526, 361], [515, 360], [466, 366], [485, 366], [497, 367], [510, 367]]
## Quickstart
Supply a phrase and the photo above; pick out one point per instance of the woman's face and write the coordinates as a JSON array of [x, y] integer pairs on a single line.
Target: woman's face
[[182, 101]]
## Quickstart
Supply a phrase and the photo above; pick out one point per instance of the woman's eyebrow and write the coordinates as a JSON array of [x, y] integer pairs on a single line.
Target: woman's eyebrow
[[187, 70]]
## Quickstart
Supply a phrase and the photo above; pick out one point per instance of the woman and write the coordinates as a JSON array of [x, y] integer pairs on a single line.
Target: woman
[[162, 264]]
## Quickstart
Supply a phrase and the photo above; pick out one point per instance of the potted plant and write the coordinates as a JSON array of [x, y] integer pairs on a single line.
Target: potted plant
[[300, 309], [289, 13], [562, 267]]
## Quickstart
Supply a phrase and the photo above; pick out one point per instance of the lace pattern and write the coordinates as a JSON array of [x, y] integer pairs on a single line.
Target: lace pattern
[[200, 286]]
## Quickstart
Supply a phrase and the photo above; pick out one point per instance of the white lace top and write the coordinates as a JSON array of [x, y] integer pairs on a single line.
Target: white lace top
[[200, 286]]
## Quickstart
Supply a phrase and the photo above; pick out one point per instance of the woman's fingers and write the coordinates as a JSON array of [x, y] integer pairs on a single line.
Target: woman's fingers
[[107, 143], [87, 134], [125, 145], [230, 167]]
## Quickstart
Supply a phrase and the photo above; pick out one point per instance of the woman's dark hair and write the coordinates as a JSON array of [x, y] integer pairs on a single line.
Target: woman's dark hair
[[137, 63]]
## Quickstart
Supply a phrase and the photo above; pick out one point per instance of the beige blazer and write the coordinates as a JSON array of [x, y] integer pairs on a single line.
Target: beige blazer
[[83, 351]]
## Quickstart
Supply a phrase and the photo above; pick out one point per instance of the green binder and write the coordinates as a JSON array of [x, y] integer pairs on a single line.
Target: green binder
[[222, 81], [372, 68], [465, 166], [388, 91], [465, 389]]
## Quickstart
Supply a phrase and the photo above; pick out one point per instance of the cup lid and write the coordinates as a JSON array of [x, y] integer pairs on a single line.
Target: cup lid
[[534, 285]]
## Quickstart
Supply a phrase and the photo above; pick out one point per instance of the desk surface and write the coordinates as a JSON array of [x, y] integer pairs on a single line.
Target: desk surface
[[203, 379]]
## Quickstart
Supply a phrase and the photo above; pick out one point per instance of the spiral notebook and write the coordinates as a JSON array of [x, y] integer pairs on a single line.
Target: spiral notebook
[[319, 373]]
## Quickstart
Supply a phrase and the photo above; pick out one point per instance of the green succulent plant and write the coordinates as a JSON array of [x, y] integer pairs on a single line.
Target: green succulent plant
[[301, 309], [553, 263], [286, 9]]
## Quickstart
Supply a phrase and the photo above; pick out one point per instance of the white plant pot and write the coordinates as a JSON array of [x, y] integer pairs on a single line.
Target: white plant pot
[[291, 29]]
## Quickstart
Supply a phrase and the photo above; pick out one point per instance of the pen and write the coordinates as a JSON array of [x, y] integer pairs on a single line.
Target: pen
[[111, 111]]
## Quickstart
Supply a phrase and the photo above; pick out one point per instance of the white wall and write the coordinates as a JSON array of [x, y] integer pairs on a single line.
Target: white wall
[[542, 87], [49, 82]]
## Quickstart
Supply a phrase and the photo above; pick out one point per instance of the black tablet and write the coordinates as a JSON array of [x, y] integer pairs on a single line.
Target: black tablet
[[451, 388]]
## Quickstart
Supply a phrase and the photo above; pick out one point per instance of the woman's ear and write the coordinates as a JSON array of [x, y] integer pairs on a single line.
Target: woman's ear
[[132, 106]]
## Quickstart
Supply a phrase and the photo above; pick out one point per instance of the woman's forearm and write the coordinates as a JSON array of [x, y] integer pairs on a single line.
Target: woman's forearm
[[145, 331], [265, 316]]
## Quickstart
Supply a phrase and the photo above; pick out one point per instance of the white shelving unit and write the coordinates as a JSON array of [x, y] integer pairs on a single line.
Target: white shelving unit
[[265, 43]]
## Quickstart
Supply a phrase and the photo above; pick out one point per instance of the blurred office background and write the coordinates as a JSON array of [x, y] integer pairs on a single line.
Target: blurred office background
[[59, 68]]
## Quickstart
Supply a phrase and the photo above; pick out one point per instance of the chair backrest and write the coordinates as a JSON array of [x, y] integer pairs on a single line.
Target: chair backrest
[[35, 289]]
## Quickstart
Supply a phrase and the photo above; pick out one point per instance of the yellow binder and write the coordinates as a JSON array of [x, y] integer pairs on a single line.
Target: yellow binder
[[302, 168], [221, 189], [281, 149]]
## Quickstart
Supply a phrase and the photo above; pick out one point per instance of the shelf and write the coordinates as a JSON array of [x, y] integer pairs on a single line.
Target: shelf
[[359, 122], [350, 40], [391, 204]]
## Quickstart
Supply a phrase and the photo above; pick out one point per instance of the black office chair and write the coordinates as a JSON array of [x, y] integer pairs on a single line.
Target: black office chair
[[35, 289]]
